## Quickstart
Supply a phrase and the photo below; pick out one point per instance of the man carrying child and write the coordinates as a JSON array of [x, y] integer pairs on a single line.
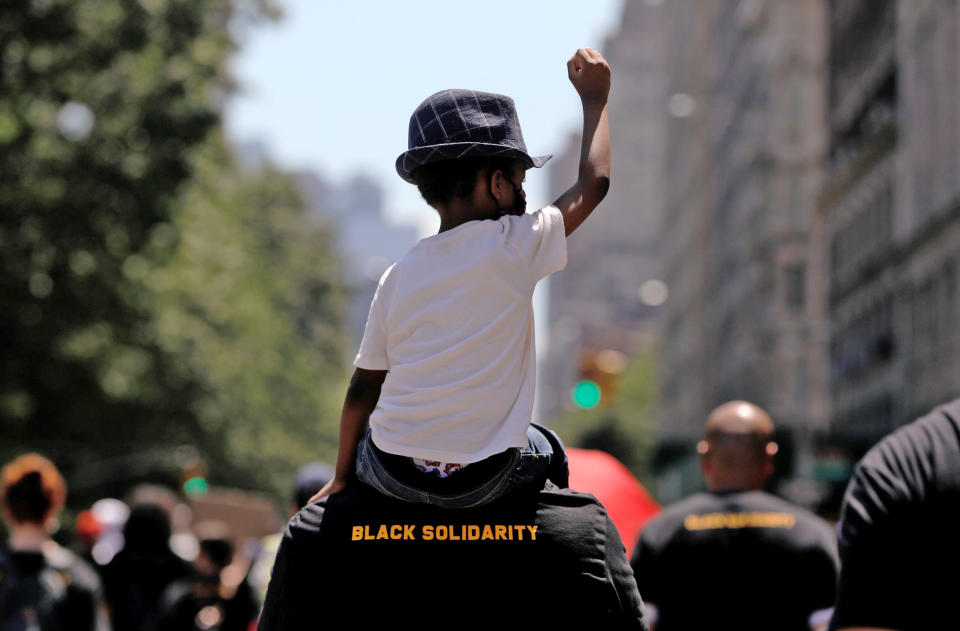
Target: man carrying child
[[446, 500]]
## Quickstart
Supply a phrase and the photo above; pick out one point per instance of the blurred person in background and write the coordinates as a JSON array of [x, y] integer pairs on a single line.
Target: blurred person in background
[[310, 479], [42, 584], [182, 541], [100, 529], [207, 600], [137, 576], [735, 556], [898, 525]]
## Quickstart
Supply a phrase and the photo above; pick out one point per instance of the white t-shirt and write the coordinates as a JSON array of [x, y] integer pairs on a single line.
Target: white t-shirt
[[452, 322]]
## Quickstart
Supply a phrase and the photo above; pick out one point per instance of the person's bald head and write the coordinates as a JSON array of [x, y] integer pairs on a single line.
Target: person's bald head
[[737, 450]]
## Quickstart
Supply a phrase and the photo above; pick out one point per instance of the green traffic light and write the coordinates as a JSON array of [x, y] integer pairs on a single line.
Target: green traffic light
[[195, 486], [586, 394]]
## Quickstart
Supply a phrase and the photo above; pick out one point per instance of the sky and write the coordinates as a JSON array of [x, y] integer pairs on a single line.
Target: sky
[[331, 86]]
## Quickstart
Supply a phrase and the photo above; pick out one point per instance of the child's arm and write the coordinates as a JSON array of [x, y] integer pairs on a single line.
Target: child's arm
[[362, 396], [590, 75]]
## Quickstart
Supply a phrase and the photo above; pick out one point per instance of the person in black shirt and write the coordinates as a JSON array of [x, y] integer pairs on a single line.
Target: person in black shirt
[[137, 576], [310, 478], [899, 525], [540, 555], [42, 584], [204, 601], [735, 556]]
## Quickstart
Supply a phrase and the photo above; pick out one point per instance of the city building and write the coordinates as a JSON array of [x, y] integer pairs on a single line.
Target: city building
[[799, 164], [745, 148], [891, 214]]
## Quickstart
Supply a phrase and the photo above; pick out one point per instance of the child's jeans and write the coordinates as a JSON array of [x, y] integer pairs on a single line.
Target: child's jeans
[[477, 484]]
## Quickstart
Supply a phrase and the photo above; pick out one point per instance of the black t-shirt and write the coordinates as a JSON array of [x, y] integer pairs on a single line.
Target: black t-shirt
[[133, 584], [54, 589], [900, 529], [544, 558], [743, 560]]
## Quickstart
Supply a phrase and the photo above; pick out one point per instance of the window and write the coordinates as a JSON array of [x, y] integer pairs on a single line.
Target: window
[[795, 286]]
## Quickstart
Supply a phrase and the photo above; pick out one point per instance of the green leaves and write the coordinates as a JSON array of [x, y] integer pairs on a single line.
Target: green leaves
[[251, 299], [153, 294]]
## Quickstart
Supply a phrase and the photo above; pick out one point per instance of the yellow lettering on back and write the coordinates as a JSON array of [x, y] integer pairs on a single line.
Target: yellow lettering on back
[[487, 533], [533, 532], [357, 533], [473, 532], [396, 531], [408, 532], [501, 532], [756, 519], [382, 532], [428, 533]]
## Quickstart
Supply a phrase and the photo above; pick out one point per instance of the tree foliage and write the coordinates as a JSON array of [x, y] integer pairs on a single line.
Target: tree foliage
[[251, 301], [152, 295]]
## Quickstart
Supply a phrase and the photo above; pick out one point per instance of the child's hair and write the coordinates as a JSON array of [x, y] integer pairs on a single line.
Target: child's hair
[[442, 182], [33, 489]]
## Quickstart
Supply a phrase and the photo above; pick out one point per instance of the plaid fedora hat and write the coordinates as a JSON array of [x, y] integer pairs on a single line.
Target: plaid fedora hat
[[461, 124]]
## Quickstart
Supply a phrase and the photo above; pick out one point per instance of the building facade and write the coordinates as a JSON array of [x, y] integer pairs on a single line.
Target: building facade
[[891, 211], [746, 142], [745, 172], [806, 207]]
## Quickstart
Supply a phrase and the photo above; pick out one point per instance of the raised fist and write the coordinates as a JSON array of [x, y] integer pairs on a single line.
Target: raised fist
[[589, 73]]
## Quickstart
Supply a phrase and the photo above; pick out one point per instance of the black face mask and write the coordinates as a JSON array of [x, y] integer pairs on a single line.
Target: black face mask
[[520, 204]]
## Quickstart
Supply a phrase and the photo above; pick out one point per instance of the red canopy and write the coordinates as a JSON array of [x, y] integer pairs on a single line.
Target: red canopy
[[629, 505]]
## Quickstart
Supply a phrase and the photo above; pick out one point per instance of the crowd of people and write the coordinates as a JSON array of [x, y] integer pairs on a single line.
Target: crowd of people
[[736, 557], [734, 543], [128, 570], [733, 556]]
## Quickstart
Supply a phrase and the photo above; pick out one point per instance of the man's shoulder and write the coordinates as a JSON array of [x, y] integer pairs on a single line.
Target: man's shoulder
[[552, 495], [906, 466], [709, 511], [568, 511], [308, 519], [921, 439]]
